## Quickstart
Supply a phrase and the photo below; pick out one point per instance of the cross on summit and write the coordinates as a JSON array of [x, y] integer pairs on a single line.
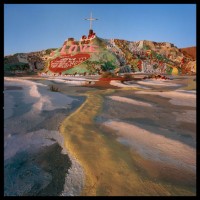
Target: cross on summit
[[91, 19], [91, 34]]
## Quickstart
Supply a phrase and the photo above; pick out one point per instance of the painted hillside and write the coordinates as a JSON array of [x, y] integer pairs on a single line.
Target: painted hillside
[[189, 52], [94, 55]]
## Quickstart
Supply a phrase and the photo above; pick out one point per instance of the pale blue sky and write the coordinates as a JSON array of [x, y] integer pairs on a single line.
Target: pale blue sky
[[34, 27]]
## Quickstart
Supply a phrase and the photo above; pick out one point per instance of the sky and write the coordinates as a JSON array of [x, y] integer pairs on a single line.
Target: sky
[[35, 27]]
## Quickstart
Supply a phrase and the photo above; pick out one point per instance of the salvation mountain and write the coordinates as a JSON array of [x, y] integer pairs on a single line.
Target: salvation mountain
[[94, 55]]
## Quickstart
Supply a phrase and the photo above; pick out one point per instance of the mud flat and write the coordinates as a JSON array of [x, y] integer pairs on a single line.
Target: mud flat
[[36, 162], [125, 140], [133, 139]]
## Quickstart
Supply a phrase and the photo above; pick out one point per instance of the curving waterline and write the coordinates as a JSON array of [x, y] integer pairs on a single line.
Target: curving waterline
[[110, 168]]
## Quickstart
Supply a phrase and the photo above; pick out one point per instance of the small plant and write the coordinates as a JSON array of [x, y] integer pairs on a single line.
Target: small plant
[[54, 89], [107, 66]]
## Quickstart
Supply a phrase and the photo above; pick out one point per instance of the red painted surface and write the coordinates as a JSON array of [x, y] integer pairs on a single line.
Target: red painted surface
[[78, 48], [67, 61], [139, 65], [74, 48]]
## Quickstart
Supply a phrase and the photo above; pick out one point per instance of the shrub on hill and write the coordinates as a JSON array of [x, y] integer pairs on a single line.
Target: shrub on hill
[[107, 66]]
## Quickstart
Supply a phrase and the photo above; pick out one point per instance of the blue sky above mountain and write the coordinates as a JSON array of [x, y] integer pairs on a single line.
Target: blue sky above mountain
[[33, 27]]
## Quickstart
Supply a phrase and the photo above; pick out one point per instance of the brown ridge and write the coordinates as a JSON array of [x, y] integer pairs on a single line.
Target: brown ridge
[[189, 51]]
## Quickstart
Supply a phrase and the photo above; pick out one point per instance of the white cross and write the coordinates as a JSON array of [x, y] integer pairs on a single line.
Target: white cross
[[91, 19]]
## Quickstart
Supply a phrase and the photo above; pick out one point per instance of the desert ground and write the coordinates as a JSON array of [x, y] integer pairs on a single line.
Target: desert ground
[[72, 136]]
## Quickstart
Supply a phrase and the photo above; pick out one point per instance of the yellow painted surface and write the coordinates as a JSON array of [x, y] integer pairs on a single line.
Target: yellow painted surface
[[175, 71], [195, 67]]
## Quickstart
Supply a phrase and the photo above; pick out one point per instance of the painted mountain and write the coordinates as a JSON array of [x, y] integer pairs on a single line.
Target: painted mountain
[[94, 55]]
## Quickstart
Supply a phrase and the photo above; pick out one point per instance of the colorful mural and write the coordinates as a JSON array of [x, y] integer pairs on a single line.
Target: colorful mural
[[141, 56], [67, 61], [94, 55]]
